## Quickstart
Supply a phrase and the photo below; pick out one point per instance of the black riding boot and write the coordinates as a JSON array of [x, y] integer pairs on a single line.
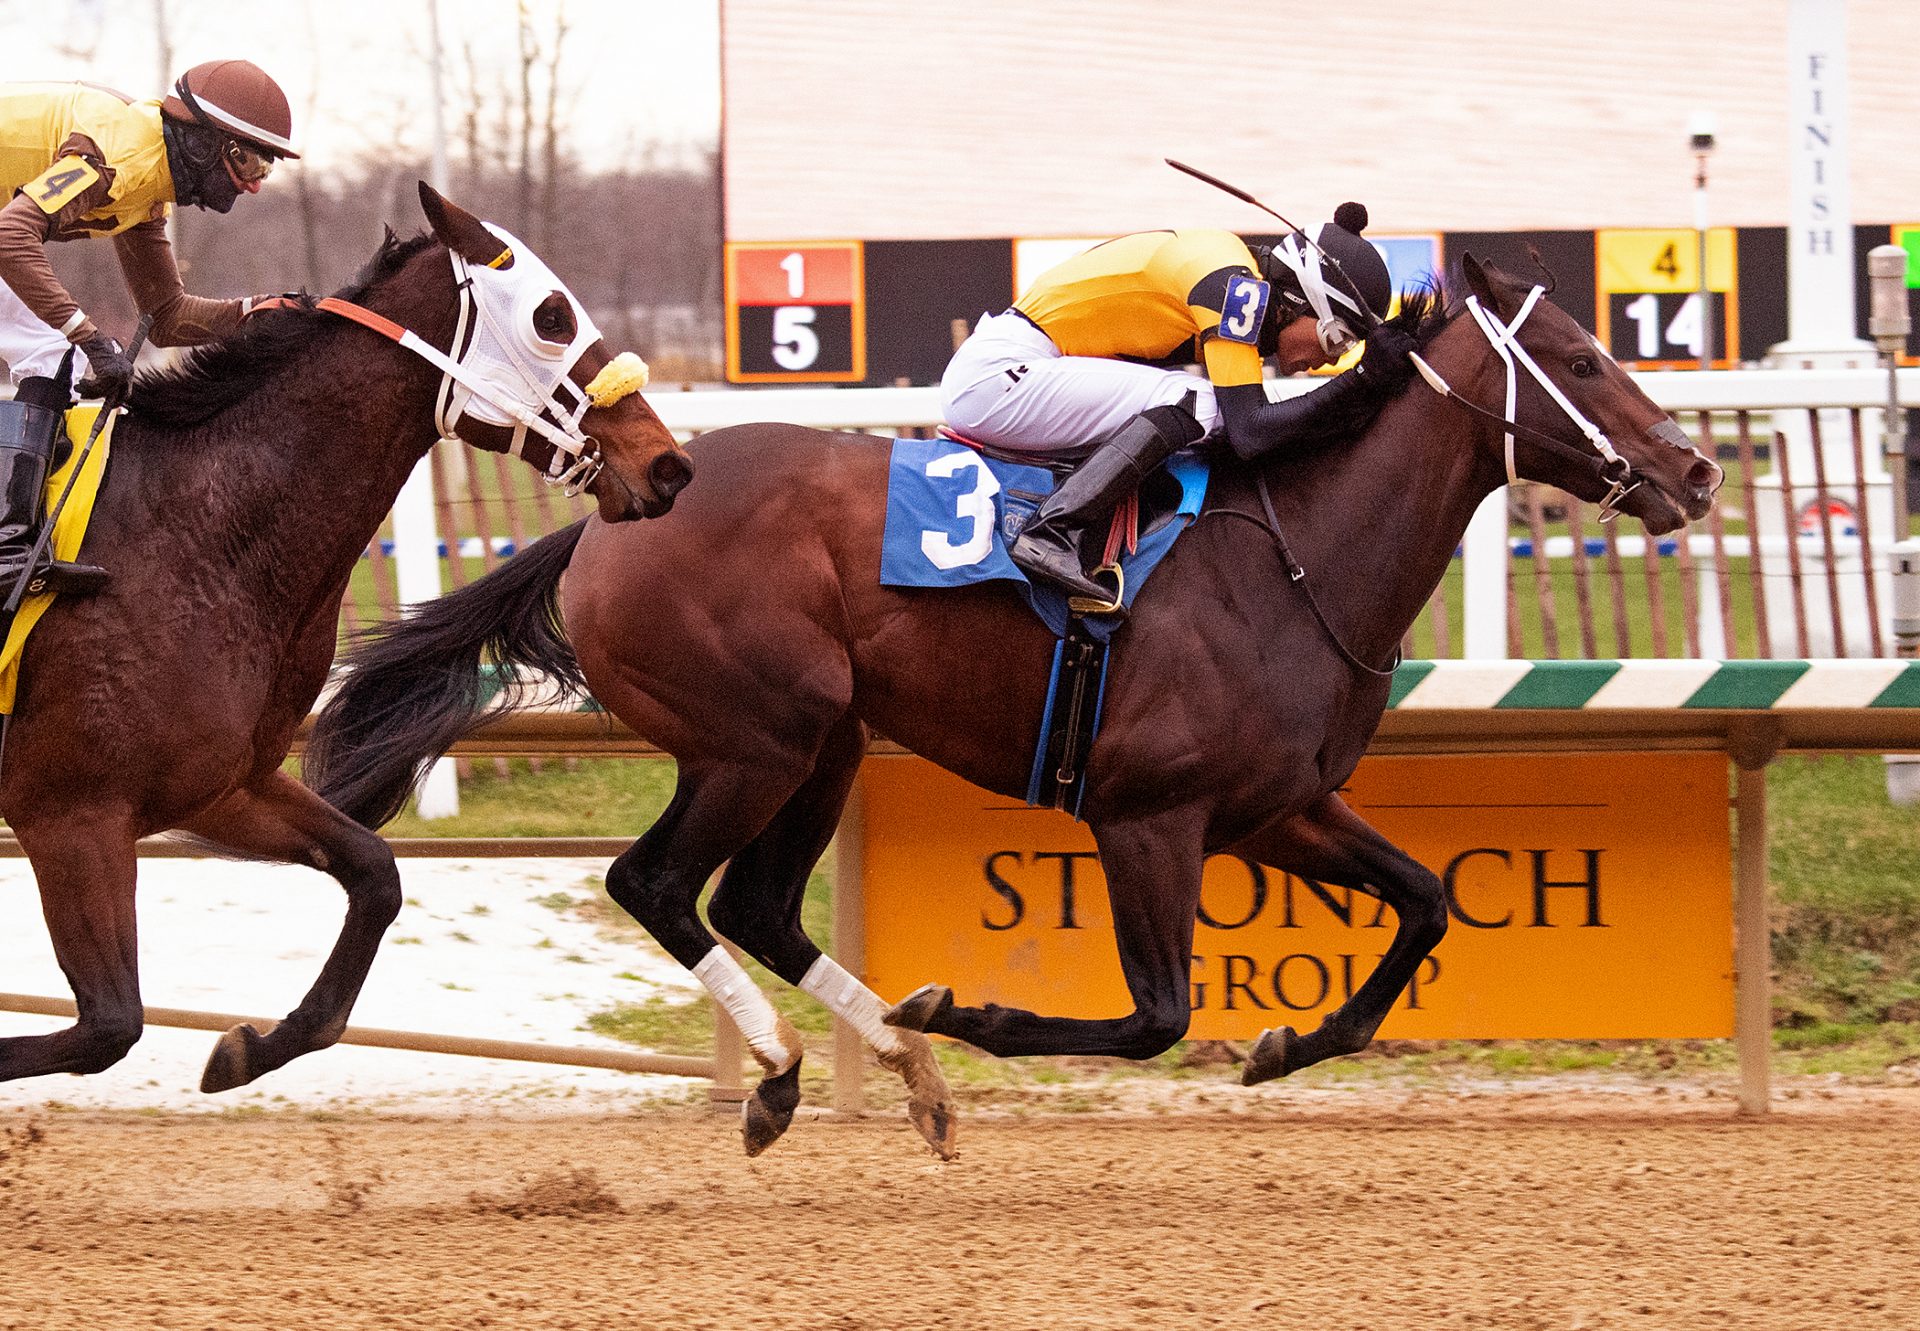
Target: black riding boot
[[29, 427], [1049, 544]]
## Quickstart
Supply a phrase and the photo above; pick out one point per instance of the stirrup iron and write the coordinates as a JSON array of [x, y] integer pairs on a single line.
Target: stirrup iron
[[1086, 605]]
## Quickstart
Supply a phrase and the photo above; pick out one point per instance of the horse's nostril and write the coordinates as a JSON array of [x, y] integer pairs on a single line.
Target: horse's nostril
[[1704, 475], [670, 474]]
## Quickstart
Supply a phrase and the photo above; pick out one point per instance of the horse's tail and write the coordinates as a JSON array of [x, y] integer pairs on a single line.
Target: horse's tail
[[415, 686]]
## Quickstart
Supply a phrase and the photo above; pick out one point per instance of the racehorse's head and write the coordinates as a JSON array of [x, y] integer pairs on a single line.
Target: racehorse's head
[[537, 380], [1578, 421]]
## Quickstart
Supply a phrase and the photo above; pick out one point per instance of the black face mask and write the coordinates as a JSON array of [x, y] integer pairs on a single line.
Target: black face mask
[[195, 157]]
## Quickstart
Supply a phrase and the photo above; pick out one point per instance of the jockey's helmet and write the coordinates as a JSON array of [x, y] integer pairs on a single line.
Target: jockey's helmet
[[1308, 284], [240, 100]]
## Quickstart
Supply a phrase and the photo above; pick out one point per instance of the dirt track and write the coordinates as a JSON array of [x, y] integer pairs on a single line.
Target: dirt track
[[1505, 1211]]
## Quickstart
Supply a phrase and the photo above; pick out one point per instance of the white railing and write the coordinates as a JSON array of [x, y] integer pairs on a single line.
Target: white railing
[[692, 412], [1488, 547]]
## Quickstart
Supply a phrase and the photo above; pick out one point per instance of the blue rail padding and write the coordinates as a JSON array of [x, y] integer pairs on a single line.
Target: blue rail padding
[[1522, 548], [469, 547]]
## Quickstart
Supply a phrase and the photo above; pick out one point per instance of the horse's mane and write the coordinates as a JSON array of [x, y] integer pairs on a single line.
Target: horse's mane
[[213, 377], [1424, 309]]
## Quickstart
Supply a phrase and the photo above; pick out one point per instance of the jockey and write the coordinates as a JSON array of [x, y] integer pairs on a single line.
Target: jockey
[[78, 160], [1086, 357]]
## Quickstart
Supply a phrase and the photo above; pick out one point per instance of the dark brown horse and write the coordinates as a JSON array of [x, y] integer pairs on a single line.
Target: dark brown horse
[[242, 489], [1238, 701]]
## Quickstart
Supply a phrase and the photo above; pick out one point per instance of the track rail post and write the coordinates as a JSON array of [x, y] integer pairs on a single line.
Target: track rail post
[[1752, 748]]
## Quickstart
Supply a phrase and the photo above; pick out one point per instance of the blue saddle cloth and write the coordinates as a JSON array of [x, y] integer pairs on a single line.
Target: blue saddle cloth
[[952, 512]]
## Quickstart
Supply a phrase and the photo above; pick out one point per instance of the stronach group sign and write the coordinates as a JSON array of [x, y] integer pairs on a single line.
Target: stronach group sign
[[1589, 896]]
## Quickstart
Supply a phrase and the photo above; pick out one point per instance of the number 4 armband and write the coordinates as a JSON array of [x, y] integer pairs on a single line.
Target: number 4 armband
[[60, 184]]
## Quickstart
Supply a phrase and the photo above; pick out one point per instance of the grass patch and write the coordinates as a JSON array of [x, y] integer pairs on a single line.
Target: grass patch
[[598, 797], [1844, 866]]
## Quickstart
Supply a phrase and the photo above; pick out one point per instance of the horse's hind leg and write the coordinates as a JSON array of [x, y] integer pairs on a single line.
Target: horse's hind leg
[[715, 810], [1330, 844], [757, 906], [86, 868], [279, 819]]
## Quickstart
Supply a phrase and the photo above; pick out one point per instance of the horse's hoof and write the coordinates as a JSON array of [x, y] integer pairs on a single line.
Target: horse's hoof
[[231, 1063], [938, 1124], [929, 1102], [918, 1009], [768, 1112], [1269, 1057]]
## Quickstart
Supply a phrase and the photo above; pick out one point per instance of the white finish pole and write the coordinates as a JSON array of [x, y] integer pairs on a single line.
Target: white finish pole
[[1484, 553], [416, 543]]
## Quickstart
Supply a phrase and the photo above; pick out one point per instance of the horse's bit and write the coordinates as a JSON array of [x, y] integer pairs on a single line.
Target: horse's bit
[[1615, 470], [501, 373]]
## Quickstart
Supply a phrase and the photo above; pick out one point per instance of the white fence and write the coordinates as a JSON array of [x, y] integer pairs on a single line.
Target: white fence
[[1805, 578]]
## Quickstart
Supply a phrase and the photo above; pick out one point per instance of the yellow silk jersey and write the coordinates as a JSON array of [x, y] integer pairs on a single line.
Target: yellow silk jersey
[[1150, 295], [35, 121]]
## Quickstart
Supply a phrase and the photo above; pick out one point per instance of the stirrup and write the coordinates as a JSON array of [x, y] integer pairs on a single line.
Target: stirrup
[[1086, 605]]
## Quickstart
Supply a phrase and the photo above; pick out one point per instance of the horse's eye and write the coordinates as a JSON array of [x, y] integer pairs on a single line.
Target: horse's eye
[[553, 319], [1584, 367]]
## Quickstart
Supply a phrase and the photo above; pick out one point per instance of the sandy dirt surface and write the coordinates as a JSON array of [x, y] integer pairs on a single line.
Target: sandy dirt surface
[[1367, 1210], [482, 947]]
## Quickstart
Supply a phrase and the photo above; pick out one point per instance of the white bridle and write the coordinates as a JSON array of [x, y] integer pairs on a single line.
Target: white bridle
[[1505, 340]]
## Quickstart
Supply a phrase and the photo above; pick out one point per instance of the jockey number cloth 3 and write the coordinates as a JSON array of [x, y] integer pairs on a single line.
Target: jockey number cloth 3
[[951, 513]]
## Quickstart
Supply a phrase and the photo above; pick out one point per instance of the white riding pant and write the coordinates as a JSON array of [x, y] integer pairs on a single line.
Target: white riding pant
[[27, 344], [1011, 387]]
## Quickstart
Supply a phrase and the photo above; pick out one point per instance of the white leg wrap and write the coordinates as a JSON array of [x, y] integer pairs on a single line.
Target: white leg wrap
[[848, 999], [734, 990]]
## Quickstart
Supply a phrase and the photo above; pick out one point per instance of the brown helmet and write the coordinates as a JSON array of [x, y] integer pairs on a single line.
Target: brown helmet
[[238, 98]]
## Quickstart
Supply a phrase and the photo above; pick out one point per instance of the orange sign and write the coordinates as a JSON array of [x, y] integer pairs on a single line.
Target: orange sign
[[1590, 896], [796, 313]]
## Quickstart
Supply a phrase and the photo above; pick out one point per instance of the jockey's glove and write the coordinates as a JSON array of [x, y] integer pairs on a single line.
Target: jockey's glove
[[1387, 363], [110, 371]]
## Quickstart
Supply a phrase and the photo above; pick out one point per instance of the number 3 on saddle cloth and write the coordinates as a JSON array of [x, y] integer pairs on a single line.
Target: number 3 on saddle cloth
[[68, 533], [952, 512]]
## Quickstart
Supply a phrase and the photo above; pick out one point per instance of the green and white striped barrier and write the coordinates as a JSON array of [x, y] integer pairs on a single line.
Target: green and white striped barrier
[[1619, 685]]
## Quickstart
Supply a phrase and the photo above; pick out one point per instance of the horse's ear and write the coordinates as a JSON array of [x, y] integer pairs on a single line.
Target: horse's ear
[[461, 232], [1487, 282]]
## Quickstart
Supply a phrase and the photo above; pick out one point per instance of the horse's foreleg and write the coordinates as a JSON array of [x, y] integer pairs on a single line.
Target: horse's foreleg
[[1152, 868], [86, 868], [757, 906], [1329, 843], [657, 880], [279, 819]]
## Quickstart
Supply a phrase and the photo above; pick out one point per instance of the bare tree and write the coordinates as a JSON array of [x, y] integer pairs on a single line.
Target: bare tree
[[529, 57], [550, 156]]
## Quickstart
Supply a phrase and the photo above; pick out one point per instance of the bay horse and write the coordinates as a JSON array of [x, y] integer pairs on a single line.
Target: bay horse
[[1240, 695], [242, 489]]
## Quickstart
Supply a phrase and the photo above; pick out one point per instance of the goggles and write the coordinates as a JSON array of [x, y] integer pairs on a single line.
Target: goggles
[[1336, 339], [247, 162]]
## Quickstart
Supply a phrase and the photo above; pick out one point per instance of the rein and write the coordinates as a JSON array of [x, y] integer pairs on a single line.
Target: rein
[[1269, 522]]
